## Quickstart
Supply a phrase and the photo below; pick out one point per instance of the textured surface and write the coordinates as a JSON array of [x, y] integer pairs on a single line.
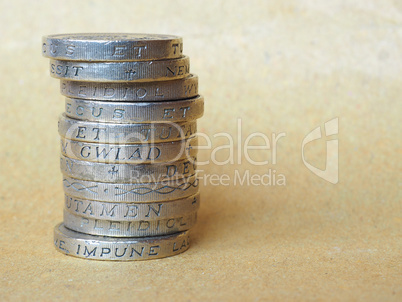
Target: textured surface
[[280, 66]]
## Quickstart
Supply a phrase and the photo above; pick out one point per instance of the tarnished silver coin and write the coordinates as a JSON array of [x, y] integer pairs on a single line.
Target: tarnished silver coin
[[112, 47], [161, 70], [122, 211], [127, 173], [136, 192], [132, 92], [140, 228], [166, 152], [139, 112], [118, 249], [111, 133]]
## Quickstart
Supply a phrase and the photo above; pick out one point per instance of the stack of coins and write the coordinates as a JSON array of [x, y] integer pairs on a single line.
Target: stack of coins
[[128, 137]]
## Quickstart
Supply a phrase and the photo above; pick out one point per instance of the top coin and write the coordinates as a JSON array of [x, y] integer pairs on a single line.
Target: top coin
[[112, 47]]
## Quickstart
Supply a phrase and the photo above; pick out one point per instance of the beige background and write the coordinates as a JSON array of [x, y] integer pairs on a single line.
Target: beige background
[[280, 66]]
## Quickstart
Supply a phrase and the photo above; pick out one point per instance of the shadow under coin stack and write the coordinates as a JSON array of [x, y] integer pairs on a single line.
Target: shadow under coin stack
[[128, 137]]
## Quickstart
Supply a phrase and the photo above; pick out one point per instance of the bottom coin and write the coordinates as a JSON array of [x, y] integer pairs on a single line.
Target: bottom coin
[[118, 249]]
